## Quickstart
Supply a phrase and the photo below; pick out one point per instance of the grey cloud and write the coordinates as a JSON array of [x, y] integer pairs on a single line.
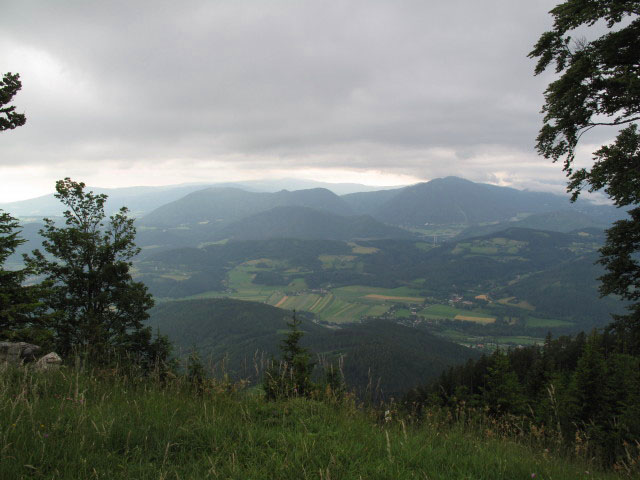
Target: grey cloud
[[362, 84]]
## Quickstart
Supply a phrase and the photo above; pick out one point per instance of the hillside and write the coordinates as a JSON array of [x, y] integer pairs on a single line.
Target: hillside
[[73, 424], [564, 221], [245, 334], [307, 223], [139, 200], [218, 207], [368, 203], [454, 200]]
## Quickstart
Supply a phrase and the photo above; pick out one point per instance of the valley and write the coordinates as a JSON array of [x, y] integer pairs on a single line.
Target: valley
[[477, 292], [448, 261]]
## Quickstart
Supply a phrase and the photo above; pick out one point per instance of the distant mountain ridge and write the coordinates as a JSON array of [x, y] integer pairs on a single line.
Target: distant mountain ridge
[[564, 221], [141, 200], [137, 199], [222, 206], [453, 200]]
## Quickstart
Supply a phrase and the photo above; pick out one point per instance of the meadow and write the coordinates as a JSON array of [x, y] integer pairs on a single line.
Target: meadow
[[74, 424]]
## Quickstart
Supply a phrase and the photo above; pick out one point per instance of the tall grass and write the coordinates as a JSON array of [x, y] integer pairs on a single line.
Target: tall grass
[[75, 424]]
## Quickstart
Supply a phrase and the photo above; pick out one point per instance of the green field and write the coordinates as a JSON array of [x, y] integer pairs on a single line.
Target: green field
[[360, 292], [547, 322], [494, 246], [328, 307], [447, 311], [518, 340]]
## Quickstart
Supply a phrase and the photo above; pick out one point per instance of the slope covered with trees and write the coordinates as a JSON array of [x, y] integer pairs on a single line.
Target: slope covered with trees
[[379, 358]]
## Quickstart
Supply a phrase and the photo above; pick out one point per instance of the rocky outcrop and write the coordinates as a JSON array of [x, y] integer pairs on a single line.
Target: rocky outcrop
[[49, 361], [18, 352]]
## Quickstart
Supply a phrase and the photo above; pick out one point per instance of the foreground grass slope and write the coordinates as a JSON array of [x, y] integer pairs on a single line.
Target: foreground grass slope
[[73, 425]]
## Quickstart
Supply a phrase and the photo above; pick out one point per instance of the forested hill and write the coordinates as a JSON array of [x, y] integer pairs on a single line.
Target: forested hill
[[222, 206], [564, 221], [390, 357], [307, 223], [454, 200]]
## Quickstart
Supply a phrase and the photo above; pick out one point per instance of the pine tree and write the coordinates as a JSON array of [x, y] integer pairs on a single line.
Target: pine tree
[[502, 392], [22, 316], [9, 86], [291, 377]]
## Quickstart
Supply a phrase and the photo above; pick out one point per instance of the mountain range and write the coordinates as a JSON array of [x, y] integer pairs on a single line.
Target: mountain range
[[144, 199]]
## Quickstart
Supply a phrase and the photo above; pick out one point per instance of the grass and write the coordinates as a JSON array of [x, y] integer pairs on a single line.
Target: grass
[[547, 322], [519, 340], [447, 311], [73, 425], [328, 307], [513, 302], [361, 250], [473, 318], [354, 292]]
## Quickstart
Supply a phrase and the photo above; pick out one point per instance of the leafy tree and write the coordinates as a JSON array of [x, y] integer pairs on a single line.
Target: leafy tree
[[22, 316], [9, 86], [599, 86], [99, 308]]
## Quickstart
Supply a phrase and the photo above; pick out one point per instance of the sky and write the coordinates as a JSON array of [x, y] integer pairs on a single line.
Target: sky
[[125, 93]]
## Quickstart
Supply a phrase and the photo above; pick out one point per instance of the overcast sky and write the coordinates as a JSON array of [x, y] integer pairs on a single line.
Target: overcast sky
[[121, 93]]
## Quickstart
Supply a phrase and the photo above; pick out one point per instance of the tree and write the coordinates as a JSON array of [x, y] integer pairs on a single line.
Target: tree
[[502, 392], [9, 86], [99, 308], [599, 86], [292, 376], [22, 316]]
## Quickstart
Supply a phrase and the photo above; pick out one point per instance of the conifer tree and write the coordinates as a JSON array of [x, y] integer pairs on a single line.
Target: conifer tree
[[502, 392], [291, 377], [9, 86], [22, 315]]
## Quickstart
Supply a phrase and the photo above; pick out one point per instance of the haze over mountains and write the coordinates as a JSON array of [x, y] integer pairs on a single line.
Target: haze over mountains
[[142, 200], [193, 215]]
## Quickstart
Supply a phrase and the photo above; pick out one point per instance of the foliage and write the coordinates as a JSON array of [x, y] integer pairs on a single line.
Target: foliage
[[22, 316], [99, 308], [583, 391], [196, 373], [9, 86], [291, 377], [381, 358], [502, 392], [599, 85]]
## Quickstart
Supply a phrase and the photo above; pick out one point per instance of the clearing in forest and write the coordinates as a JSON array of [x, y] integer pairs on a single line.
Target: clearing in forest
[[396, 299], [468, 318]]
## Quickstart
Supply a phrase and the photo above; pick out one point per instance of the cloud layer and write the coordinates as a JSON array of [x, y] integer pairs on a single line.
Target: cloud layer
[[122, 93]]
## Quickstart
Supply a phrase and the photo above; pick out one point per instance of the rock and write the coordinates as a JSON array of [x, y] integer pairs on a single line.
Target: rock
[[18, 352], [49, 361]]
